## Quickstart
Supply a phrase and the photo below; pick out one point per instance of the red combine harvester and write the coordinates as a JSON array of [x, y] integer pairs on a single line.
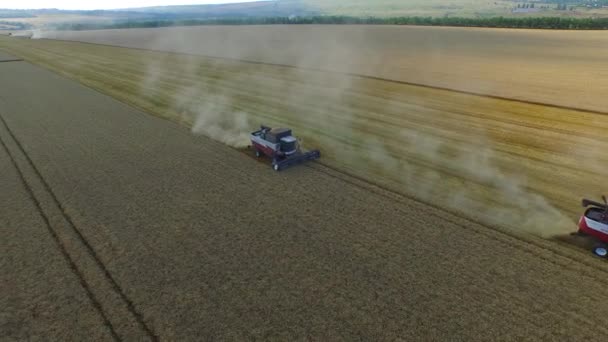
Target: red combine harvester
[[281, 146], [594, 223]]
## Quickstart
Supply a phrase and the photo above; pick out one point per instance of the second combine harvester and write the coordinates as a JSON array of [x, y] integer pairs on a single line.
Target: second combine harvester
[[281, 146]]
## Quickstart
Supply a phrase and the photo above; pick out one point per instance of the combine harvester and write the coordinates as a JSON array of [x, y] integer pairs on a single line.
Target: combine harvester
[[281, 146], [594, 223]]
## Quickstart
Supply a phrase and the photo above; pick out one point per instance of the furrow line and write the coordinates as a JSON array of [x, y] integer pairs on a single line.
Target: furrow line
[[81, 238], [72, 265], [493, 232], [428, 86]]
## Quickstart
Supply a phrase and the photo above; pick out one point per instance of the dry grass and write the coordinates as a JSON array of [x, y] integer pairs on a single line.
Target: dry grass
[[505, 163]]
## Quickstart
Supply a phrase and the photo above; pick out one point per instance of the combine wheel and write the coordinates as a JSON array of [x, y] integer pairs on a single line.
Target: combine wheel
[[601, 251]]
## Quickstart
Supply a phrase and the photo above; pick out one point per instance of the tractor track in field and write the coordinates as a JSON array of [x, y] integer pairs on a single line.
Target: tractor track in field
[[72, 264], [90, 250], [362, 76], [494, 232]]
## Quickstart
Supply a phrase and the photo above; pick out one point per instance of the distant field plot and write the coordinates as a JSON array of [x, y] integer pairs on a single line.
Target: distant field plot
[[510, 164], [439, 8], [564, 68], [423, 8]]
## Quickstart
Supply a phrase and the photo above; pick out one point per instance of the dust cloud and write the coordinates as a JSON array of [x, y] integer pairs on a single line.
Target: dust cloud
[[231, 128], [209, 112], [462, 177], [24, 34], [38, 34]]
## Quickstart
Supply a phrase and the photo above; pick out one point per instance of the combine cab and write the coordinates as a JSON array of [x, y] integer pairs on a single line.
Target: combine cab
[[281, 146], [595, 224]]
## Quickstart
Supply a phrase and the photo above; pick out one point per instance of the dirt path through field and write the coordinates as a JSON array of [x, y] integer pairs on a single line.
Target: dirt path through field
[[206, 242]]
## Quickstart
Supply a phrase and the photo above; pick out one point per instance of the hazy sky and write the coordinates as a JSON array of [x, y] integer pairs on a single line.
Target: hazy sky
[[105, 4]]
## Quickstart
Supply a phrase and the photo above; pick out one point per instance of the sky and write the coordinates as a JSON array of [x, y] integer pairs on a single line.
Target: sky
[[105, 4]]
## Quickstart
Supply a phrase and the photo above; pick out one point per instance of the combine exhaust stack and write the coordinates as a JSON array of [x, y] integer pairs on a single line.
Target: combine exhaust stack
[[281, 146]]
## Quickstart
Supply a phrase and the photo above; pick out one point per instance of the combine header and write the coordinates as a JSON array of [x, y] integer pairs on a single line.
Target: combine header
[[595, 224], [281, 146]]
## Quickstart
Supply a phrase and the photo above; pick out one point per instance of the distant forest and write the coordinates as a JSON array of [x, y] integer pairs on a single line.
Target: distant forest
[[566, 23]]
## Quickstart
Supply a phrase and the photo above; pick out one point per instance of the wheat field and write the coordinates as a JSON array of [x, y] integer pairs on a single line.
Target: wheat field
[[565, 68], [510, 164]]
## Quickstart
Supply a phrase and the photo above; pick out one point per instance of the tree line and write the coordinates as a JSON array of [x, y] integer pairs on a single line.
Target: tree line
[[497, 22]]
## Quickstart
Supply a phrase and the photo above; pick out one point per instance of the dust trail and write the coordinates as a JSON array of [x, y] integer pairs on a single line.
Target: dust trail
[[24, 34], [38, 34], [519, 209], [463, 176], [231, 128], [484, 191]]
